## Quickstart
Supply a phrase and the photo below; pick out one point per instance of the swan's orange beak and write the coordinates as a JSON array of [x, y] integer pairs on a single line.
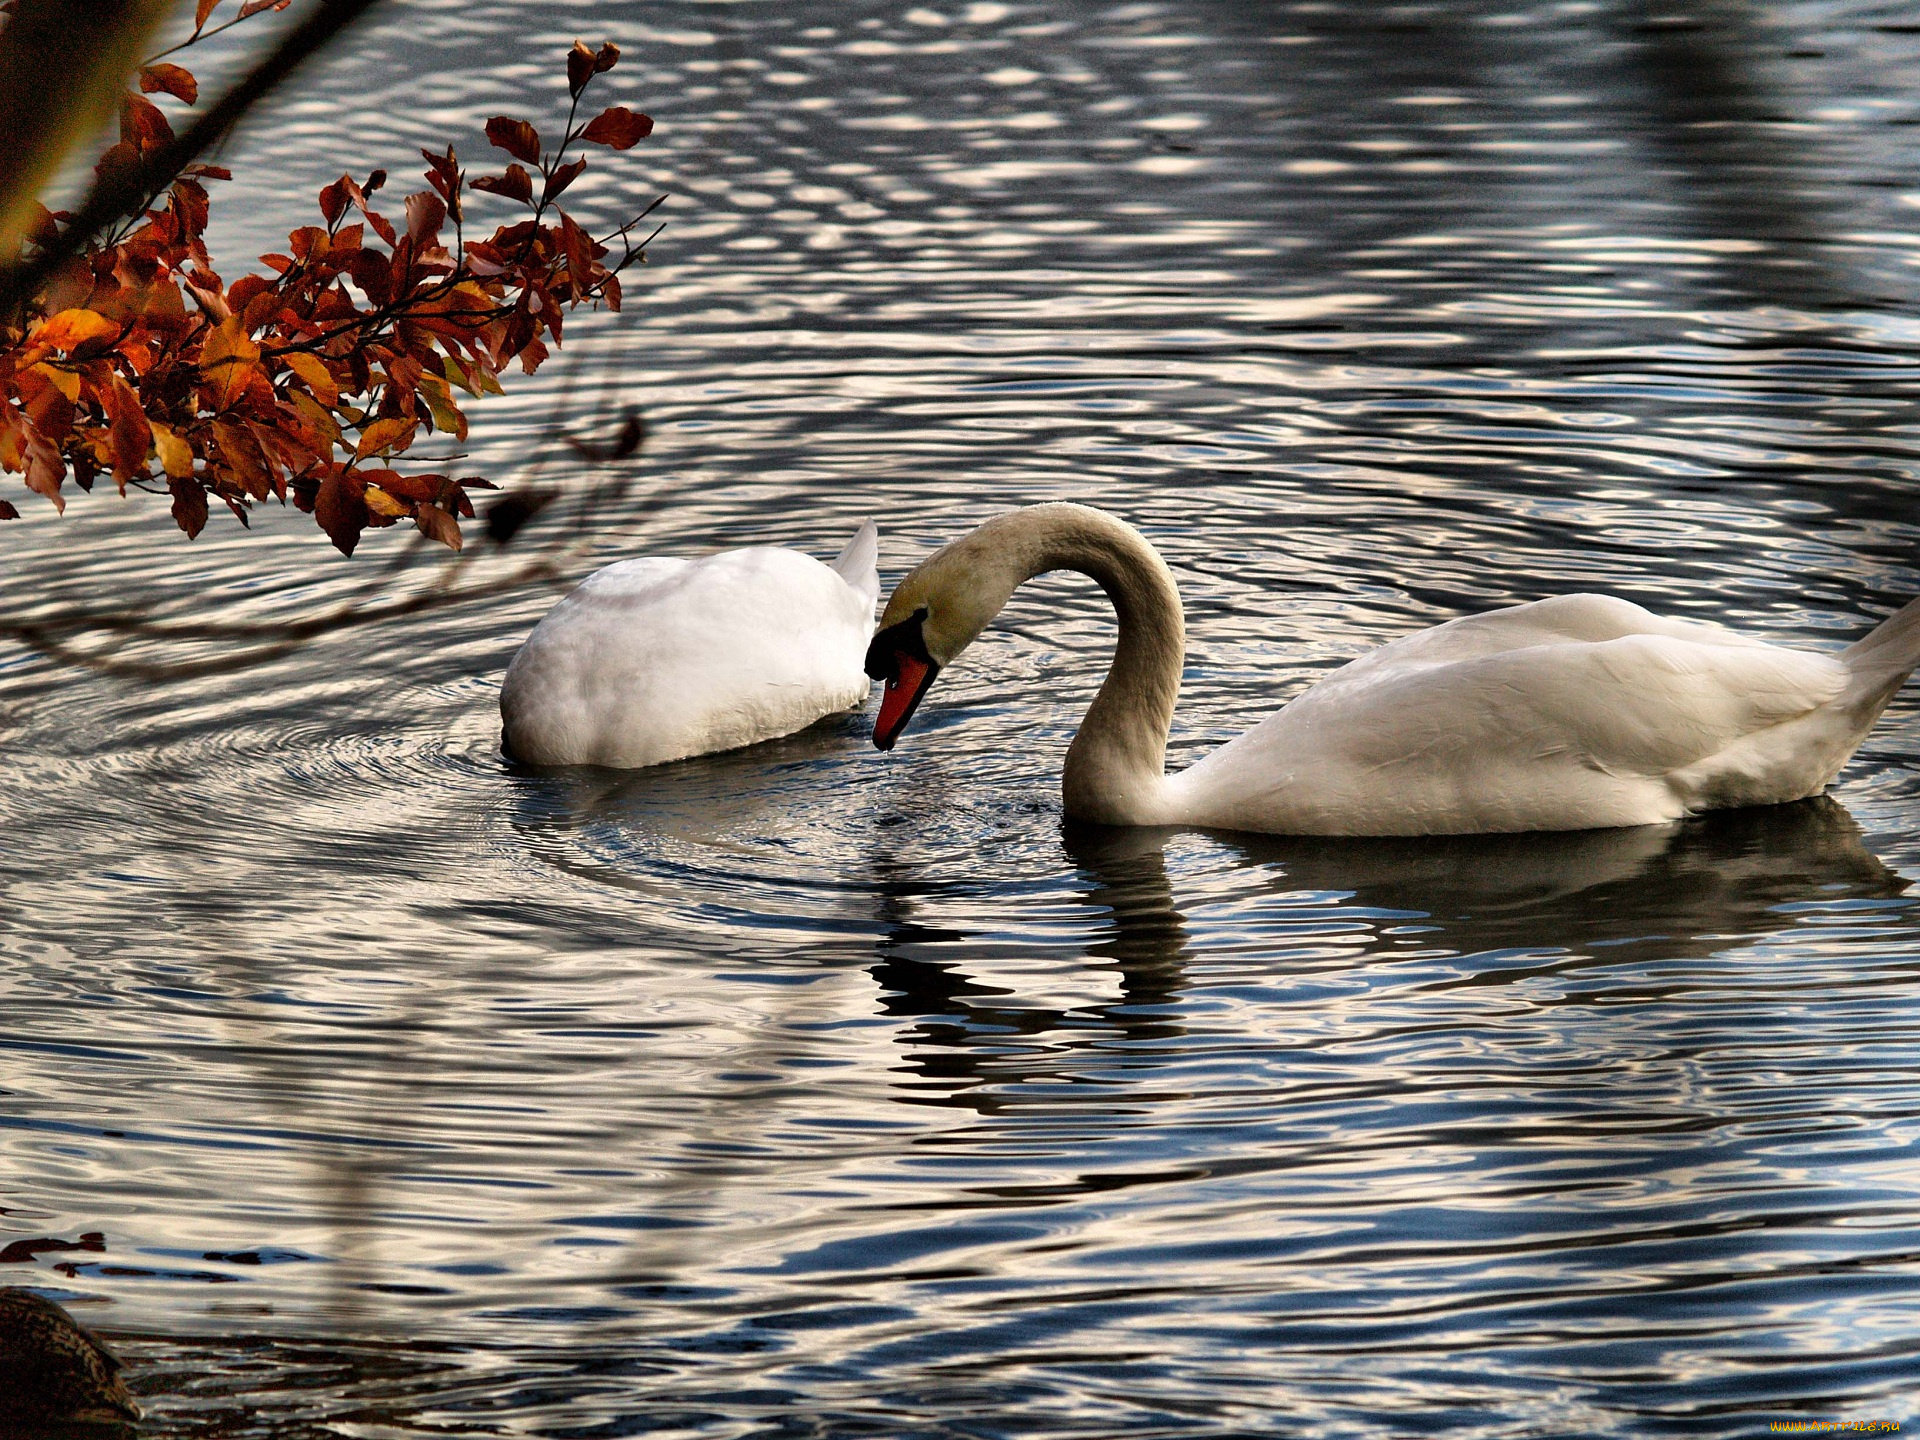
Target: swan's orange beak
[[899, 656], [910, 680]]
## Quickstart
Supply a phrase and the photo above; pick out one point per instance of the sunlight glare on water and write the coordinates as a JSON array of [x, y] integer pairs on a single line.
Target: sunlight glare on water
[[808, 1091]]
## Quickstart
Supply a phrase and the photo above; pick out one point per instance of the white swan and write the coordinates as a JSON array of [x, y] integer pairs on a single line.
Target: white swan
[[1575, 713], [657, 659]]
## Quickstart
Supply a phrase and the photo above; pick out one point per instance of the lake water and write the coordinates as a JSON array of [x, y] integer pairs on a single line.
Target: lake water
[[805, 1091]]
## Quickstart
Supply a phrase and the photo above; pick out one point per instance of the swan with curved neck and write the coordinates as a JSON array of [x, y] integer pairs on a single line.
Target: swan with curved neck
[[1573, 713]]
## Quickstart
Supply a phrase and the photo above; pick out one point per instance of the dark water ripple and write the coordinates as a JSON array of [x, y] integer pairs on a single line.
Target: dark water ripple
[[803, 1091]]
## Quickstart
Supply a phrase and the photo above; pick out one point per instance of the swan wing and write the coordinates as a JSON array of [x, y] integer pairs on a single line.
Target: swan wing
[[1540, 721]]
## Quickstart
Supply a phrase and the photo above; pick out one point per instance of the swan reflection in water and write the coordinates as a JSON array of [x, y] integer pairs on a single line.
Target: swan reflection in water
[[743, 838], [1691, 889]]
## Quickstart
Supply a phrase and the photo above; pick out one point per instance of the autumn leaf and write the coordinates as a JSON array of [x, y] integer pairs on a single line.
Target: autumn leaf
[[381, 435], [437, 524], [70, 329], [516, 184], [334, 199], [341, 508], [379, 502], [230, 362], [170, 80], [447, 416], [579, 68], [129, 432], [176, 456], [607, 57], [563, 176], [579, 252], [254, 7], [65, 381], [45, 469], [201, 11], [7, 511], [516, 137], [425, 212], [318, 379], [189, 505], [618, 127], [142, 125]]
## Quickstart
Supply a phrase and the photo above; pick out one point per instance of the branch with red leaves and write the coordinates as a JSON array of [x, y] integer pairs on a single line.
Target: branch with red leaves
[[310, 382]]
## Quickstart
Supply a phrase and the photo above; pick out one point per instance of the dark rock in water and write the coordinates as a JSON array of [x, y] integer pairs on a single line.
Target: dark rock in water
[[53, 1373]]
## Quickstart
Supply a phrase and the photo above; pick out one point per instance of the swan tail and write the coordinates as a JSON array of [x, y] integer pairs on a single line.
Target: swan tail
[[1881, 660], [859, 563]]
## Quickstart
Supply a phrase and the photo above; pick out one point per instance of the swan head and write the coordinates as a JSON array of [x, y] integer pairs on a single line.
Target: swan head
[[932, 615]]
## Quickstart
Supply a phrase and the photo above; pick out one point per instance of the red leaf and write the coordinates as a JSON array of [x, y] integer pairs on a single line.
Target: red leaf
[[425, 212], [254, 7], [129, 431], [172, 80], [7, 512], [189, 505], [516, 137], [619, 128], [579, 68], [142, 125], [607, 58], [335, 198], [579, 254], [562, 177], [374, 181], [443, 173], [341, 509], [516, 184], [200, 12], [208, 172]]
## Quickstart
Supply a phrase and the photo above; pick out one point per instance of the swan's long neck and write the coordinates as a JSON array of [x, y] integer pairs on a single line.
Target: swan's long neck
[[1116, 766]]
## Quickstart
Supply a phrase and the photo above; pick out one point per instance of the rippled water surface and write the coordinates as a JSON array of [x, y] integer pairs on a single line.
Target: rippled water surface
[[386, 1090]]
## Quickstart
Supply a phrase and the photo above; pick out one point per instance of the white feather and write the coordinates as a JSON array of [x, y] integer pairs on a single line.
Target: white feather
[[658, 658]]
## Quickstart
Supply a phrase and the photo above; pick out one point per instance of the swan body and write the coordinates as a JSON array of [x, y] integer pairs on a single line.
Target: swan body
[[656, 659], [1574, 713]]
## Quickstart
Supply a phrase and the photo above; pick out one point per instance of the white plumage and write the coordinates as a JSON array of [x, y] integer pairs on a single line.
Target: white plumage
[[658, 658]]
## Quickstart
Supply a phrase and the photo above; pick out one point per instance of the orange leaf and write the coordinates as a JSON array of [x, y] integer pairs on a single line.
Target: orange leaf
[[201, 10], [170, 79], [65, 381], [619, 128], [437, 524], [382, 434], [45, 469], [579, 68], [230, 360], [318, 378], [72, 328], [176, 456]]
